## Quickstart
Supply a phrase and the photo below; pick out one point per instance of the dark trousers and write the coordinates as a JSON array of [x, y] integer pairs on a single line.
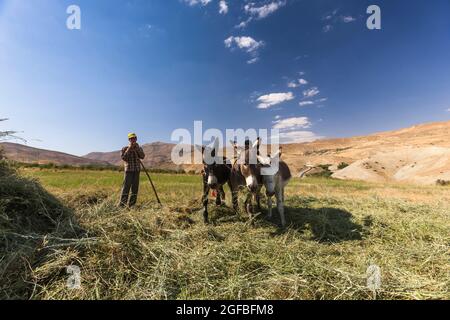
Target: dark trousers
[[131, 181]]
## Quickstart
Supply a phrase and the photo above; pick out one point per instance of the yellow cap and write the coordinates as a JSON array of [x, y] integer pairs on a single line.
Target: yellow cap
[[132, 135]]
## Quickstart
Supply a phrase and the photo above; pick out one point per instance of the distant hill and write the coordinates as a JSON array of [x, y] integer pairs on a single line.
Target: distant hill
[[419, 154], [158, 155], [26, 154]]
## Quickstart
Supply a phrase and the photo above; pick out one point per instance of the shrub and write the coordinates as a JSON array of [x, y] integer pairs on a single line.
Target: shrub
[[324, 171], [444, 183], [342, 165]]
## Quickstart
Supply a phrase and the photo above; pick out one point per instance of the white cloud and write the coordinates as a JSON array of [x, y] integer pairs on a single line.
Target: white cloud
[[327, 28], [197, 2], [272, 99], [248, 44], [297, 83], [243, 24], [298, 137], [291, 130], [448, 110], [311, 102], [292, 123], [265, 10], [245, 43], [311, 92], [332, 19], [306, 103], [331, 15], [347, 19], [223, 7]]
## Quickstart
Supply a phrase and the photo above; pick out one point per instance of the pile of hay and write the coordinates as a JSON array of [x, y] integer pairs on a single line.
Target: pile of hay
[[32, 224]]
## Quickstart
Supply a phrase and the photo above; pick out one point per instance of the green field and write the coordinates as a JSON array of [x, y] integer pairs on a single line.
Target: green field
[[336, 230]]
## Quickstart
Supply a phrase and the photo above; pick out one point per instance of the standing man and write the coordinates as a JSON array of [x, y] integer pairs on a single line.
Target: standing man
[[131, 155]]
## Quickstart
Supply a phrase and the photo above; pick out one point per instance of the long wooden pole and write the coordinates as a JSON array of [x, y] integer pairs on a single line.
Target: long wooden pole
[[149, 179]]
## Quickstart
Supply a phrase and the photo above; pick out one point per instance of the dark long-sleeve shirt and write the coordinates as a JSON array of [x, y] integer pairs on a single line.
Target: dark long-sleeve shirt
[[131, 158]]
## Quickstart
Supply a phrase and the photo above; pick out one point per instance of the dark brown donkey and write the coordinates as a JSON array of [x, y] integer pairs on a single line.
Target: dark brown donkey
[[216, 172], [245, 173]]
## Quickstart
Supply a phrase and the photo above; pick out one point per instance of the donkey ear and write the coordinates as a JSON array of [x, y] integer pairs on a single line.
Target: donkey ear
[[257, 143], [200, 148], [263, 160], [216, 144], [214, 150], [238, 153], [277, 154], [234, 144]]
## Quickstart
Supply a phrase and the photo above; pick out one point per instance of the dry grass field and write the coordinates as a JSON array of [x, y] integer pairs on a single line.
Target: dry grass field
[[336, 230]]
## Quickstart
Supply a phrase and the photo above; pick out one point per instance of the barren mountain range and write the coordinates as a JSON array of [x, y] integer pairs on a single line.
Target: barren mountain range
[[419, 154], [158, 155], [25, 154]]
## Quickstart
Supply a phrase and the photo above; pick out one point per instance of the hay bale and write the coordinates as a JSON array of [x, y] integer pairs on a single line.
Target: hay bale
[[30, 219]]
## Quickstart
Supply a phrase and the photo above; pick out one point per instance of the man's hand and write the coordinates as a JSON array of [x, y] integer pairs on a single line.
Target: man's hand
[[133, 146]]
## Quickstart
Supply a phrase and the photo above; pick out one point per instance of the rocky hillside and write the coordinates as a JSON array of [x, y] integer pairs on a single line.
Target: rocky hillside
[[26, 154], [419, 154], [158, 155]]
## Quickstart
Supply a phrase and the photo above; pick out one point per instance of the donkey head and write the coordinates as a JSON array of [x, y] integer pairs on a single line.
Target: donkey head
[[248, 164], [214, 167], [269, 167]]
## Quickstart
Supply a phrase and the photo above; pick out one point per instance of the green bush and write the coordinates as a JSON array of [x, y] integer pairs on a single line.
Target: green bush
[[325, 173], [342, 165]]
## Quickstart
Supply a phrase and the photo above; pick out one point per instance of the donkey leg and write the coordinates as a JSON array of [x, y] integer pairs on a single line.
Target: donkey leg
[[248, 205], [258, 200], [218, 198], [280, 207], [205, 202], [269, 206], [234, 197]]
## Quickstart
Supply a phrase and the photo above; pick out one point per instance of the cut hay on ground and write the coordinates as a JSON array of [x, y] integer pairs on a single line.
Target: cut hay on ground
[[336, 230]]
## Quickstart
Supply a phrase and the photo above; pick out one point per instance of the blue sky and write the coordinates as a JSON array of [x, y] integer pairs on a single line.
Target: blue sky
[[311, 68]]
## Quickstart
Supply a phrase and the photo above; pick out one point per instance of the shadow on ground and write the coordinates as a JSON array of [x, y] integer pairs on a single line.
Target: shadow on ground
[[325, 225], [328, 225]]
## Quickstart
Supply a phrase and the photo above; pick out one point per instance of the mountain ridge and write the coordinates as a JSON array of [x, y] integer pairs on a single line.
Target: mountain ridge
[[418, 154]]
